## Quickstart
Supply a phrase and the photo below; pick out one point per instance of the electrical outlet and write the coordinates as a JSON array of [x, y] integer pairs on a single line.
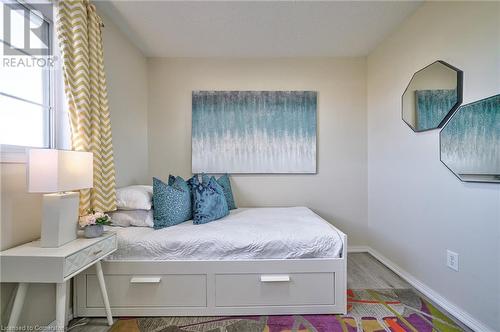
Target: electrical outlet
[[452, 260]]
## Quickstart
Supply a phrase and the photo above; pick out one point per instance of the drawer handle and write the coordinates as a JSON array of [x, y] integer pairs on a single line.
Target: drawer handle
[[275, 278], [97, 252], [145, 280]]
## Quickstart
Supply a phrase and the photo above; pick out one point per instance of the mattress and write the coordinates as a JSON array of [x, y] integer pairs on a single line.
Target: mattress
[[246, 233]]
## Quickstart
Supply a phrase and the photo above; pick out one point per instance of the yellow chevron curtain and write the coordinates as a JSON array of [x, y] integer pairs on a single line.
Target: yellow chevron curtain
[[80, 39]]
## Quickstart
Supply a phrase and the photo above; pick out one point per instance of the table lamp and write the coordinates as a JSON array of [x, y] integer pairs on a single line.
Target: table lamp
[[55, 173]]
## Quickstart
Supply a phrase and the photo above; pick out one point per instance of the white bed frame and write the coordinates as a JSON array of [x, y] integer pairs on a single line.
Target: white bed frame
[[213, 288]]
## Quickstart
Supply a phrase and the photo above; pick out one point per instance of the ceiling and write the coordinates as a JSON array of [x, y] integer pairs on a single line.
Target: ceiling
[[257, 28]]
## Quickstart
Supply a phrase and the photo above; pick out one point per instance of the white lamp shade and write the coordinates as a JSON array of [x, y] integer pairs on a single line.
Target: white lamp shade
[[51, 171]]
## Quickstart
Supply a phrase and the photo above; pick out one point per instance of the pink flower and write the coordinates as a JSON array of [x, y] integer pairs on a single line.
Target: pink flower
[[98, 215], [87, 220]]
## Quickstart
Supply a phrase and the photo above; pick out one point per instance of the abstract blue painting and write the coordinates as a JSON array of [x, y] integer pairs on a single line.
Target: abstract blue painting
[[254, 131], [470, 141]]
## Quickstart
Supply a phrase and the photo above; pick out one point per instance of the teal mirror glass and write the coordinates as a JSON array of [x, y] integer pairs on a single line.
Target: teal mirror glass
[[432, 96], [470, 141]]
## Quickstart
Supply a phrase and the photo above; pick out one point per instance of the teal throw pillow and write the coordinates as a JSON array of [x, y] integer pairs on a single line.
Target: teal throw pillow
[[208, 200], [225, 183], [172, 204]]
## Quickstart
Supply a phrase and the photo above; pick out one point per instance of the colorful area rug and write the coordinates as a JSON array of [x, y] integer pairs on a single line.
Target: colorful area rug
[[393, 310]]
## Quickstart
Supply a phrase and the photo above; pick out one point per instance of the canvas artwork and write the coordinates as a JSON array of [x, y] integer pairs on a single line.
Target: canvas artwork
[[470, 141], [254, 131]]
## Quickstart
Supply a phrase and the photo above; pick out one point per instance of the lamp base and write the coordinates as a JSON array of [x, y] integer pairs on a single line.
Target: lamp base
[[60, 219]]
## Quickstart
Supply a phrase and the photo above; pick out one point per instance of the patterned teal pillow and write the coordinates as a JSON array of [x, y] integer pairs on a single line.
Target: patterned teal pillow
[[205, 179], [209, 201], [225, 183], [179, 182], [228, 192], [172, 204]]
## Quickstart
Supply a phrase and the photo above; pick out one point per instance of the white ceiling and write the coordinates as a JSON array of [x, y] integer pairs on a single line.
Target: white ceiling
[[257, 28]]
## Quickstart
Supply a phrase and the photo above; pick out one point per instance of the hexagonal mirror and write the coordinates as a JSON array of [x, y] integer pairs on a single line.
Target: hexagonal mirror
[[470, 141], [432, 96]]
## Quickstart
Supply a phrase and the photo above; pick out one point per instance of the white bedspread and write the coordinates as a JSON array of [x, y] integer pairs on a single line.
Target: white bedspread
[[253, 233]]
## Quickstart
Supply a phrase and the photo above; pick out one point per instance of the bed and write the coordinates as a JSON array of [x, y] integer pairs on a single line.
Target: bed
[[254, 261]]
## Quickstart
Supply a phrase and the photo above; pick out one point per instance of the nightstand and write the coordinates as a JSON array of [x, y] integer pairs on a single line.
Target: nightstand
[[30, 263]]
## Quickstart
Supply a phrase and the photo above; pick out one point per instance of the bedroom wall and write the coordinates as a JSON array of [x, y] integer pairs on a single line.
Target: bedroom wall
[[126, 74], [19, 223], [21, 212], [337, 192], [416, 207]]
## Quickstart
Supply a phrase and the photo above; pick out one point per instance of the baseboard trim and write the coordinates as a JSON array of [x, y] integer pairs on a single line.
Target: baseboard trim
[[354, 249], [460, 314]]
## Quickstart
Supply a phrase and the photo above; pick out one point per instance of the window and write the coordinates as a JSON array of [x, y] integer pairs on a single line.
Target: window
[[26, 82]]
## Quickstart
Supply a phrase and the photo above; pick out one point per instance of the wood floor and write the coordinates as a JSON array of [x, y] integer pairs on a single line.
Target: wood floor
[[363, 271]]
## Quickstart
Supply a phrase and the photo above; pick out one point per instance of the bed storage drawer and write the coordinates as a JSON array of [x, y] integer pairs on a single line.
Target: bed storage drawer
[[149, 290], [274, 289]]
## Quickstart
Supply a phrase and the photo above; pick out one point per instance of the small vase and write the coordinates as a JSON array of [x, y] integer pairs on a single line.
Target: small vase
[[93, 231]]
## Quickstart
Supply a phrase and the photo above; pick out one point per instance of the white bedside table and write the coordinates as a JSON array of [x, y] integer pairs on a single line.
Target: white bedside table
[[30, 263]]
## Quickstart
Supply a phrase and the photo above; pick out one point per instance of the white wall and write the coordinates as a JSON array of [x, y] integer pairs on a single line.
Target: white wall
[[19, 223], [337, 192], [21, 212], [416, 207], [126, 73]]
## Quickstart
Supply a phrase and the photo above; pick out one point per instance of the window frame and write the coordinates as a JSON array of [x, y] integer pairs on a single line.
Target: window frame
[[18, 153]]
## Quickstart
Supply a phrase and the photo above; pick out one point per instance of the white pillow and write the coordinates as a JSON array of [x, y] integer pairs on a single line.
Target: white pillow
[[139, 218], [134, 198]]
